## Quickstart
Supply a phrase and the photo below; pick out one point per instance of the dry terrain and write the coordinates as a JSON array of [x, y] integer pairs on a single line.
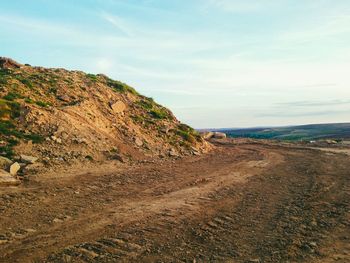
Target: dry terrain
[[242, 202]]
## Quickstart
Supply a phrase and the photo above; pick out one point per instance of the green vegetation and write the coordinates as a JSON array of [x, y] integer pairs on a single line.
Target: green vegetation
[[155, 111], [188, 133], [9, 112], [9, 109], [42, 104], [12, 96], [145, 104], [92, 77], [304, 133], [120, 87], [25, 81], [3, 76], [159, 114]]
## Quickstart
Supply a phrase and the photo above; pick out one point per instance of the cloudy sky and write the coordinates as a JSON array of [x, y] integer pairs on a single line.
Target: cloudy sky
[[214, 63]]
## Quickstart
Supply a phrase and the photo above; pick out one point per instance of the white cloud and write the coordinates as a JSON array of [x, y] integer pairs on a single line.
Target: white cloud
[[118, 23]]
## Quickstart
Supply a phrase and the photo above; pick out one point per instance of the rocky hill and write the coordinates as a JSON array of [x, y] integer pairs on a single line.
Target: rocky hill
[[62, 116]]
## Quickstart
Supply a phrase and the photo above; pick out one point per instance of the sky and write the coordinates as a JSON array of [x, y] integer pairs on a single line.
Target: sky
[[214, 63]]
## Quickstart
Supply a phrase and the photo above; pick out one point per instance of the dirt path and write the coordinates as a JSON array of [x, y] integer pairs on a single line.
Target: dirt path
[[240, 203]]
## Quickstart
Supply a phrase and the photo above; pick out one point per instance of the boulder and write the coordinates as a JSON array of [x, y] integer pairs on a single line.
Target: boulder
[[207, 135], [14, 168], [219, 135], [28, 159], [138, 141], [5, 163], [6, 179], [118, 106]]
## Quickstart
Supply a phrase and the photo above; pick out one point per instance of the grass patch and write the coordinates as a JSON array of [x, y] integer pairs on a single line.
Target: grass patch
[[12, 96], [145, 104], [120, 87], [42, 104], [3, 76], [186, 136], [159, 114], [92, 77]]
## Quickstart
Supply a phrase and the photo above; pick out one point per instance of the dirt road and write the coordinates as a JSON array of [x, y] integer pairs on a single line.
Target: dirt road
[[240, 203]]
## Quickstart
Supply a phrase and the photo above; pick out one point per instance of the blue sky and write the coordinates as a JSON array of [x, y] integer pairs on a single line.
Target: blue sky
[[214, 63]]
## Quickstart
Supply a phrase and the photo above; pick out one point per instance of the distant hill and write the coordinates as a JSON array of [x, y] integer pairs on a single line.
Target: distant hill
[[304, 132]]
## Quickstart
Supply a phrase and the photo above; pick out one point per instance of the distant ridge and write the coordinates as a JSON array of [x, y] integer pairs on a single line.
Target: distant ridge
[[300, 132]]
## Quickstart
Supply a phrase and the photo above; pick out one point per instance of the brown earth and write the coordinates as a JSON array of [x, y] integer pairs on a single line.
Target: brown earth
[[242, 202]]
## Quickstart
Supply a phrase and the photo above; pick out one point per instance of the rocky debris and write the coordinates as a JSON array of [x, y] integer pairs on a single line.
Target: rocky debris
[[118, 106], [64, 98], [14, 168], [119, 158], [219, 135], [8, 63], [195, 151], [138, 141], [6, 179], [32, 168], [173, 153], [55, 139], [5, 163], [79, 140], [28, 159]]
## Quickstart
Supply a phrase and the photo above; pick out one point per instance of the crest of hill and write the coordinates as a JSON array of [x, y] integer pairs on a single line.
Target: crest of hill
[[67, 116]]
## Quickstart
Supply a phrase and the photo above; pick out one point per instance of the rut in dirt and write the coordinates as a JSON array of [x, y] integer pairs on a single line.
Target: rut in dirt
[[241, 203]]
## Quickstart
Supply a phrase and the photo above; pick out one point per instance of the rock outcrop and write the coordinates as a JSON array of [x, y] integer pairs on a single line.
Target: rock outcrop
[[8, 63]]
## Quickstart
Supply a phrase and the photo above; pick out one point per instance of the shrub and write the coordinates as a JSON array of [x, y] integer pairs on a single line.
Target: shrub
[[92, 77], [12, 96], [42, 104], [186, 136], [159, 114], [148, 105]]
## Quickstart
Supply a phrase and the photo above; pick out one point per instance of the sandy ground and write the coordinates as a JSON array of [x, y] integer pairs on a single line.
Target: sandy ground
[[248, 202]]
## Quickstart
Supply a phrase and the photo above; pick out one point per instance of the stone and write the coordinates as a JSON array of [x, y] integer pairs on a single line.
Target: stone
[[55, 139], [219, 135], [118, 157], [117, 107], [207, 135], [138, 141], [14, 168], [28, 159], [6, 179], [5, 163], [64, 98], [173, 153], [57, 220]]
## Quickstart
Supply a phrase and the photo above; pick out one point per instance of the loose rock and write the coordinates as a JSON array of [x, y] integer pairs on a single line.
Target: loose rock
[[117, 107], [138, 141], [6, 179], [14, 168], [28, 159]]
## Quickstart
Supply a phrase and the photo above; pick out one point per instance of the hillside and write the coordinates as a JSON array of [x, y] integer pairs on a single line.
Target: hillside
[[62, 116], [304, 132]]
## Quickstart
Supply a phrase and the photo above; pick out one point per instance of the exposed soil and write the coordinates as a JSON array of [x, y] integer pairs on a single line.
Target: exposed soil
[[242, 202]]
